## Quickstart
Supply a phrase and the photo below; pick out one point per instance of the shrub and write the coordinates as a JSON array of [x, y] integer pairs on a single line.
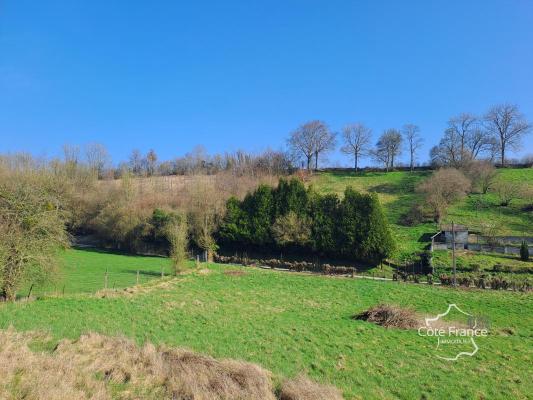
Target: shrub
[[475, 267], [429, 278], [507, 192], [442, 188]]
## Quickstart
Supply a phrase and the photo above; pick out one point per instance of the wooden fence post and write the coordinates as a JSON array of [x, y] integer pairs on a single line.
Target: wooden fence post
[[29, 293], [105, 280], [137, 277]]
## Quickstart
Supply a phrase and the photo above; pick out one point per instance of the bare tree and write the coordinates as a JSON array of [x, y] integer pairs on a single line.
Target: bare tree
[[508, 125], [151, 162], [482, 174], [411, 133], [310, 140], [462, 127], [357, 139], [324, 142], [97, 158], [71, 154], [442, 188], [388, 147], [136, 162], [464, 140], [446, 153]]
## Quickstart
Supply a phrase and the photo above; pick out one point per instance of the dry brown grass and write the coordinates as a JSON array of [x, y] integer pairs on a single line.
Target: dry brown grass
[[391, 316], [99, 368], [301, 388]]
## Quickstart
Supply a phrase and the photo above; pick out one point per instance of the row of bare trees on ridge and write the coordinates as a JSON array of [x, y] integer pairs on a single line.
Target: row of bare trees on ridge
[[467, 137]]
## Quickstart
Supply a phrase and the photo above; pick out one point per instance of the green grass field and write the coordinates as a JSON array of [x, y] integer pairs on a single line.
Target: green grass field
[[290, 323], [396, 191], [84, 271]]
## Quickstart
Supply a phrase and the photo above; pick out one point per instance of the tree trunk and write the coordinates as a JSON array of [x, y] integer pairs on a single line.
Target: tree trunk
[[316, 160], [355, 158], [309, 162], [9, 290], [412, 163], [503, 155]]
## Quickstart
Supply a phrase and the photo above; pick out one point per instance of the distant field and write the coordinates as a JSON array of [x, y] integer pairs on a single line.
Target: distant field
[[396, 191], [84, 271], [292, 323]]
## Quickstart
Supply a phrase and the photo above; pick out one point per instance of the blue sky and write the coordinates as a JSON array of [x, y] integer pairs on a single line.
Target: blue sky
[[234, 75]]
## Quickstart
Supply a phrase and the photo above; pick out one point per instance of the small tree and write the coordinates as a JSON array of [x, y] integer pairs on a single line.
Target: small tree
[[508, 125], [524, 251], [411, 134], [482, 175], [357, 139], [177, 235], [32, 230], [442, 188], [388, 147]]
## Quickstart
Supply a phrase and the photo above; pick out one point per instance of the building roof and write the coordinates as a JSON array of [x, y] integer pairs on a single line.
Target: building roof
[[456, 228]]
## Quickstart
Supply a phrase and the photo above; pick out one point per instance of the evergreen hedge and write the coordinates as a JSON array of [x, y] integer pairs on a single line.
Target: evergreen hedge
[[354, 227]]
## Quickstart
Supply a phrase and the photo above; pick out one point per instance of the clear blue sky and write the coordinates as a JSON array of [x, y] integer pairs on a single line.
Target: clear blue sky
[[242, 74]]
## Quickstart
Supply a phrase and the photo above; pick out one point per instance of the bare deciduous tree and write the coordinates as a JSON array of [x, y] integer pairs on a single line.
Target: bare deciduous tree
[[136, 162], [325, 141], [462, 127], [357, 139], [508, 125], [414, 141], [310, 140], [151, 162], [97, 158], [442, 188], [388, 147], [482, 174], [464, 140]]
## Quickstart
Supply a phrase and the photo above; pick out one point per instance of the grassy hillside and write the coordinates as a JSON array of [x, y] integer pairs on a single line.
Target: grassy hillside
[[396, 191], [84, 271], [292, 323]]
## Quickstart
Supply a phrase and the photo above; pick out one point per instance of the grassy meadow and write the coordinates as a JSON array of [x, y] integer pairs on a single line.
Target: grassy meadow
[[291, 323], [396, 191]]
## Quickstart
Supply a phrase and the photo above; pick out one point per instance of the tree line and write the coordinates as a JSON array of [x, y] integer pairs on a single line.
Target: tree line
[[292, 218], [467, 137]]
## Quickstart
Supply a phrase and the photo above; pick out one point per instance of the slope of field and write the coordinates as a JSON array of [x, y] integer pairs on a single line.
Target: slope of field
[[85, 270], [292, 323], [396, 191]]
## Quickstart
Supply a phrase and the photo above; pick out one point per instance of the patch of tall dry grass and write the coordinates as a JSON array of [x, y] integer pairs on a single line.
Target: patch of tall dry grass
[[89, 367]]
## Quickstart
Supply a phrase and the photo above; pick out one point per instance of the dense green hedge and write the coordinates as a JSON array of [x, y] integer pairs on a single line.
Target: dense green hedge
[[295, 218]]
